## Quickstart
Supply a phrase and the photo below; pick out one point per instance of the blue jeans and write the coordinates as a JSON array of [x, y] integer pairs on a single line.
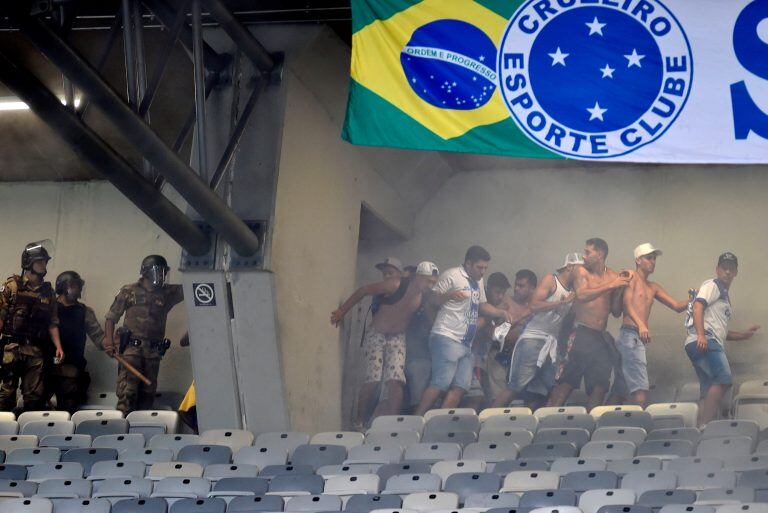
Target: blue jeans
[[632, 374], [711, 367], [452, 363], [525, 374]]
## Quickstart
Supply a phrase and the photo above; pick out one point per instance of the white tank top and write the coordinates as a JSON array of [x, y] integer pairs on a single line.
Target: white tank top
[[546, 324]]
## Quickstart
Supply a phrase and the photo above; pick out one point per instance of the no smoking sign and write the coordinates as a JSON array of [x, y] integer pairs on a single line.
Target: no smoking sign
[[204, 294]]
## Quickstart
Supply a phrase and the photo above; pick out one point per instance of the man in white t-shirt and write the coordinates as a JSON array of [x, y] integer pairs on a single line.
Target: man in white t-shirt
[[460, 294], [707, 323]]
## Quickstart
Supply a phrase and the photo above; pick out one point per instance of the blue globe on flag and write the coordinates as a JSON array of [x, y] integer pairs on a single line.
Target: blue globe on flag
[[450, 64]]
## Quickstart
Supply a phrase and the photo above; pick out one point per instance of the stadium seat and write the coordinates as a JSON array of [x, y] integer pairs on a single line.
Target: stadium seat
[[347, 470], [689, 411], [447, 468], [11, 442], [619, 434], [13, 472], [465, 484], [9, 427], [289, 485], [448, 411], [549, 451], [582, 481], [687, 463], [688, 433], [751, 507], [626, 418], [347, 439], [100, 400], [102, 470], [374, 453], [313, 503], [6, 416], [518, 436], [208, 505], [87, 457], [27, 505], [254, 504], [641, 481], [261, 456], [432, 452], [65, 442], [119, 442], [397, 423], [83, 415], [403, 484], [695, 479], [546, 411], [370, 502], [451, 423], [505, 467], [593, 501], [121, 488], [753, 462], [318, 455], [10, 488], [755, 479], [576, 436], [430, 501], [143, 505], [286, 441], [173, 442], [353, 485], [510, 421], [492, 412], [401, 438], [407, 467], [657, 499], [205, 454], [232, 438], [568, 420], [151, 422], [523, 481], [556, 509], [41, 428], [720, 496], [64, 489], [458, 437], [608, 451], [730, 428], [147, 456], [753, 408], [101, 427], [217, 471], [725, 449], [492, 500], [174, 488], [666, 449], [81, 506], [598, 411], [230, 487], [36, 416], [43, 471], [272, 471], [686, 508], [33, 455], [566, 465], [175, 469], [542, 498], [490, 452]]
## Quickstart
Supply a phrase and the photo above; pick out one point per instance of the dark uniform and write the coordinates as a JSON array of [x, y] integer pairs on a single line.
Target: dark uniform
[[145, 315], [28, 313], [70, 380]]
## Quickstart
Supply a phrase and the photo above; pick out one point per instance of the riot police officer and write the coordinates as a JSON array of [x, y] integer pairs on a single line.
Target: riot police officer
[[29, 325], [142, 341], [70, 380]]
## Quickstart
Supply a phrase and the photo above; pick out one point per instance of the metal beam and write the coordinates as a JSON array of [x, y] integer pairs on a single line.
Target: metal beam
[[167, 14], [198, 69], [86, 143], [197, 193], [111, 38], [241, 36], [129, 50]]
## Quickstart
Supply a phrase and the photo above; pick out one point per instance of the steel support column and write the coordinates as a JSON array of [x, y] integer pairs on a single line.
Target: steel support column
[[198, 69], [249, 45]]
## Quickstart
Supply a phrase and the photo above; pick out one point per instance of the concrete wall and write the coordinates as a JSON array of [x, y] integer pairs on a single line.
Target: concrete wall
[[530, 213], [101, 235]]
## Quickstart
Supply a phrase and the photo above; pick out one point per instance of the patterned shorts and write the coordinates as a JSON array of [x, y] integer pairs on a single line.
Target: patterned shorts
[[384, 356]]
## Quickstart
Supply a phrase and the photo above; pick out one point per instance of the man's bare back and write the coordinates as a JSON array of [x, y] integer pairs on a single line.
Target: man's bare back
[[519, 312], [593, 312]]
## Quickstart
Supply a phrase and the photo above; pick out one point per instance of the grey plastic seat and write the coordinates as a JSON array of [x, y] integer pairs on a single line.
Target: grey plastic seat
[[513, 421], [347, 439], [554, 509], [174, 488], [119, 442], [17, 488], [96, 414], [635, 508], [147, 456], [260, 456], [399, 438], [11, 442], [619, 434], [642, 482], [34, 416], [753, 462], [492, 500], [686, 508], [313, 503], [688, 463], [666, 448], [730, 428], [217, 471], [199, 505], [490, 452], [97, 428], [640, 419], [65, 442], [576, 436], [448, 411], [153, 421], [720, 496], [589, 480], [505, 467], [32, 456], [87, 457], [519, 437], [447, 468], [41, 428], [726, 449], [660, 498], [66, 470], [431, 501], [13, 472], [296, 485], [27, 505], [549, 451], [286, 441], [328, 471], [374, 453], [432, 452], [64, 489], [568, 420], [175, 469], [403, 484], [9, 427], [230, 487], [566, 465], [318, 455], [523, 481], [691, 434], [205, 454], [752, 507], [406, 467], [669, 422], [255, 503], [608, 451], [232, 438], [365, 503], [467, 483], [457, 437], [398, 423], [173, 442], [140, 505], [451, 423], [593, 501], [755, 479], [546, 411], [687, 410], [122, 488], [273, 471], [109, 469], [695, 479], [81, 506], [543, 498]]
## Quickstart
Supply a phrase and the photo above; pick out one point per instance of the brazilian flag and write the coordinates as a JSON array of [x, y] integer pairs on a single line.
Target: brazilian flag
[[423, 76]]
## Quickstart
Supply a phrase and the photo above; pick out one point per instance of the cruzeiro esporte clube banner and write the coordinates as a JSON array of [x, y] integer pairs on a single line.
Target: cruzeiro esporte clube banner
[[631, 80]]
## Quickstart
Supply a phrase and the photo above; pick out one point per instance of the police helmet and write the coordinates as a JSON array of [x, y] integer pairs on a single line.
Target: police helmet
[[64, 279]]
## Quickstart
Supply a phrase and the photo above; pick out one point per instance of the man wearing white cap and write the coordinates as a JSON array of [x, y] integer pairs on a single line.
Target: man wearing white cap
[[533, 358], [635, 301], [395, 300]]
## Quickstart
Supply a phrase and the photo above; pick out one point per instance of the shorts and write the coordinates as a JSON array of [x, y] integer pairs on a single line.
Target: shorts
[[452, 363], [384, 356], [632, 370], [711, 367], [417, 371], [479, 385], [524, 372], [589, 355]]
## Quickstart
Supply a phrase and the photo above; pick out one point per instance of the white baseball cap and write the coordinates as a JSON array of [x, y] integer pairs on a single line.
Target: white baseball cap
[[646, 249], [427, 269], [572, 259], [390, 262]]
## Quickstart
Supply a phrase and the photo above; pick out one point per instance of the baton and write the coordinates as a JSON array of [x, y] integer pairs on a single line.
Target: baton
[[130, 368]]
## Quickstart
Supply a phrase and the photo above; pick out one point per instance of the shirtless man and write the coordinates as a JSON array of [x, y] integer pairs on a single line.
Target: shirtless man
[[395, 300], [588, 354], [635, 302], [533, 360]]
